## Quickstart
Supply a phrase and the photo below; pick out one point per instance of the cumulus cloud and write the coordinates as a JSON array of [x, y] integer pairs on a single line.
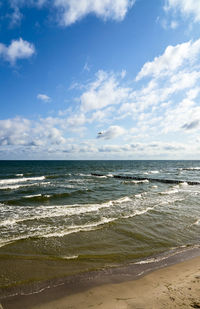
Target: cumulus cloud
[[18, 49], [185, 7], [14, 131], [104, 91], [23, 132], [43, 97], [112, 132], [70, 11], [171, 60]]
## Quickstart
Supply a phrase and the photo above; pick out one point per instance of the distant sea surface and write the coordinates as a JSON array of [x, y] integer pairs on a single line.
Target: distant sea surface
[[56, 219]]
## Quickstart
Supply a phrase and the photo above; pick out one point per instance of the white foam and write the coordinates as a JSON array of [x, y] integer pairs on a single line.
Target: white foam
[[14, 187], [138, 213], [84, 175], [72, 257], [17, 180], [110, 175], [19, 174], [183, 184], [173, 191], [123, 200], [197, 222], [34, 195], [136, 181], [7, 222], [151, 172], [79, 228], [138, 195], [31, 213]]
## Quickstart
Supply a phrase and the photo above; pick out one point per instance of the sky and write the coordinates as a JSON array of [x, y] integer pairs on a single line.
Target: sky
[[99, 79]]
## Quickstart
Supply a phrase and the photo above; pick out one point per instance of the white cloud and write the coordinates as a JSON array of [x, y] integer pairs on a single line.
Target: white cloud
[[15, 17], [73, 10], [14, 131], [70, 11], [104, 91], [112, 132], [185, 7], [18, 49], [43, 97], [21, 131], [171, 60]]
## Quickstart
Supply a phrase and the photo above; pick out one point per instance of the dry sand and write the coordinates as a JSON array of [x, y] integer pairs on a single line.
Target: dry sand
[[176, 286]]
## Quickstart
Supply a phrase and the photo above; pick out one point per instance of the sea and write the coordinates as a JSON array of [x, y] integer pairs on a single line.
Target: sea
[[62, 218]]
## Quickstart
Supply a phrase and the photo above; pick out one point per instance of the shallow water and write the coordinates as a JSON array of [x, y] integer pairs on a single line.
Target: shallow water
[[57, 219]]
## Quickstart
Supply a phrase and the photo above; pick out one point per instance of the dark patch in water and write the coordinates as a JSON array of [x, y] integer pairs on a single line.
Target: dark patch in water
[[150, 179]]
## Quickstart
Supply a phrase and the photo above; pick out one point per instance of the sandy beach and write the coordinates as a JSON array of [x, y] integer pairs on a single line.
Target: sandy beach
[[176, 286]]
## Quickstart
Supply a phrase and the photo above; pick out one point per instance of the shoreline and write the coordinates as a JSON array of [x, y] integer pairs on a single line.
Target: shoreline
[[74, 289]]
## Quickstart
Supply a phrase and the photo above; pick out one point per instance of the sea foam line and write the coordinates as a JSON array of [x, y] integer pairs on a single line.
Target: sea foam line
[[70, 230], [14, 187], [42, 212], [23, 179]]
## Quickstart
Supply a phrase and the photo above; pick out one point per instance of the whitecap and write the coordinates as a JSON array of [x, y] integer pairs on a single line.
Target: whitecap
[[71, 257], [173, 191], [17, 180], [34, 195], [123, 200], [197, 222], [137, 181]]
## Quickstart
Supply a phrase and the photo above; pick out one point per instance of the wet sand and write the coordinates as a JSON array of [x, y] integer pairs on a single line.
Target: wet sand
[[173, 286], [177, 286]]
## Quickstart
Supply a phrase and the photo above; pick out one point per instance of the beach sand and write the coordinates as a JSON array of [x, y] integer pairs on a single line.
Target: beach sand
[[176, 286]]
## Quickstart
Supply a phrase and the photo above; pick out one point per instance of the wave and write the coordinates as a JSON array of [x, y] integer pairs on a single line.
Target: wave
[[197, 222], [18, 180], [30, 213], [122, 200], [19, 175], [136, 181], [70, 230], [84, 175], [33, 195], [71, 257], [151, 172], [80, 228], [15, 187], [172, 191], [138, 213]]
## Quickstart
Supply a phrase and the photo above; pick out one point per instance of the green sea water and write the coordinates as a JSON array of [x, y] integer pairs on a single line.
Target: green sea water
[[56, 219]]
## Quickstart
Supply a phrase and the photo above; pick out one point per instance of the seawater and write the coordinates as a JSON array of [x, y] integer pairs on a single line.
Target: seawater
[[56, 219]]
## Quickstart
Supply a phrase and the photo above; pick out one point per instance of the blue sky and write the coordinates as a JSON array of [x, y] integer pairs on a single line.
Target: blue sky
[[70, 69]]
